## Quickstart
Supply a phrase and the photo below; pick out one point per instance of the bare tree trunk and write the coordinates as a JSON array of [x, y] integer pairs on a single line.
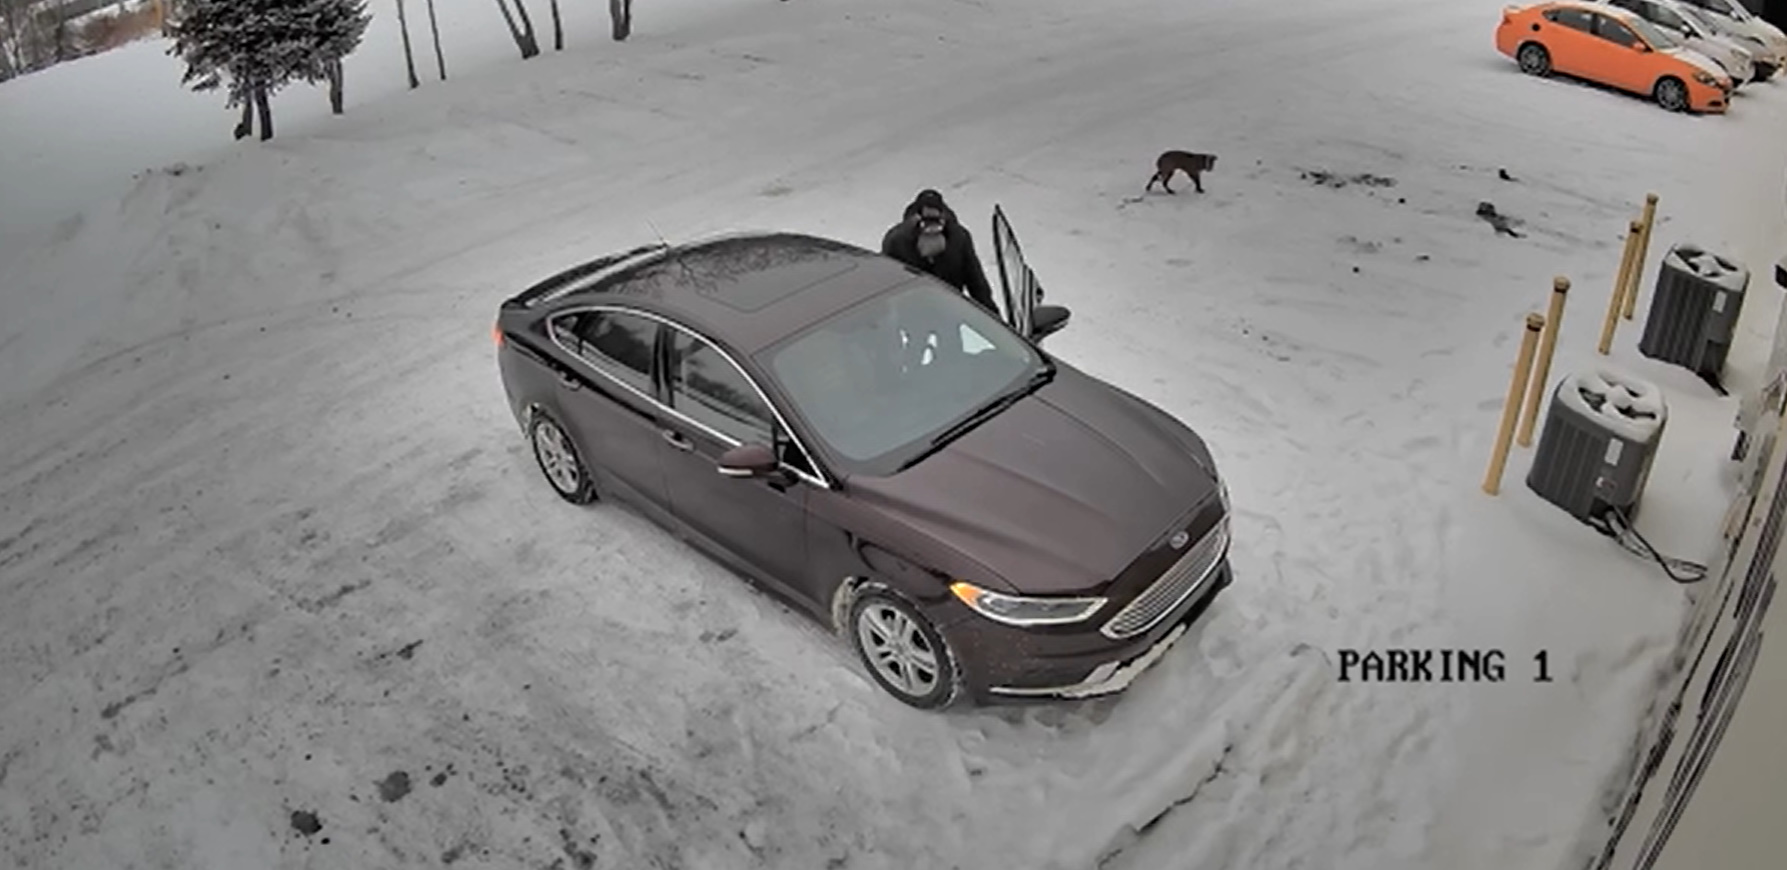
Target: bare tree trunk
[[434, 28], [336, 74], [522, 34], [245, 127], [265, 110], [558, 29], [620, 16], [527, 29], [409, 57]]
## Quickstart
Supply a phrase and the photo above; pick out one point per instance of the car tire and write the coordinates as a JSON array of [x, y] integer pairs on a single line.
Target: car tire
[[560, 461], [1671, 93], [1534, 60], [1762, 72], [892, 640]]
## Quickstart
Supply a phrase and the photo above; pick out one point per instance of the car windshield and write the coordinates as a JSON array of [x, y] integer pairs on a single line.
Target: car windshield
[[1700, 22], [1668, 20], [879, 382], [1656, 36], [1726, 7]]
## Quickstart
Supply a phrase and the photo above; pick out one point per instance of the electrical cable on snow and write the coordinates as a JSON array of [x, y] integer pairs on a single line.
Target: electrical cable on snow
[[1619, 527]]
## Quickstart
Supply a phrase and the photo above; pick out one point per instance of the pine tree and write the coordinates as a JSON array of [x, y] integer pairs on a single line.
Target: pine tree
[[337, 27], [252, 48]]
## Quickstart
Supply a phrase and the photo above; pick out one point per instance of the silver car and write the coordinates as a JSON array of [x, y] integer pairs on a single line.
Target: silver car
[[1679, 19], [1763, 39]]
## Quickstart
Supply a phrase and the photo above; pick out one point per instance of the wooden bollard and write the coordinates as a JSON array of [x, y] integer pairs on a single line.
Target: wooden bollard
[[1633, 232], [1504, 437], [1636, 273], [1535, 391]]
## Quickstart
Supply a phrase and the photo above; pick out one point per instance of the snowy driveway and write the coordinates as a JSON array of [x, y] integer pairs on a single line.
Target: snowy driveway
[[277, 539]]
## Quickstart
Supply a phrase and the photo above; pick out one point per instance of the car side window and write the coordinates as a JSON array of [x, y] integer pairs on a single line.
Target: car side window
[[563, 330], [709, 389], [790, 454], [619, 344], [1576, 19], [1615, 32]]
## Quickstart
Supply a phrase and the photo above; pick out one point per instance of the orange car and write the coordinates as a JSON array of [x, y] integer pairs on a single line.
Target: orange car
[[1608, 45]]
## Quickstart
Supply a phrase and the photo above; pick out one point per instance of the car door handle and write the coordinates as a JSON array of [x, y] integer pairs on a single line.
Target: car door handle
[[570, 381], [677, 439]]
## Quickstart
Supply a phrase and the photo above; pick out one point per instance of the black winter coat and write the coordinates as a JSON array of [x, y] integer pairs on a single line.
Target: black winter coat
[[957, 265]]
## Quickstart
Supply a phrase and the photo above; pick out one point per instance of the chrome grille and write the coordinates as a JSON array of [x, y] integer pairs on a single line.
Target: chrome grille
[[1173, 587]]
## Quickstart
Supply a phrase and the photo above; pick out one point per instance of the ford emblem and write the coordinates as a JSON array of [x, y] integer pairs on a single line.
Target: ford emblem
[[1179, 540]]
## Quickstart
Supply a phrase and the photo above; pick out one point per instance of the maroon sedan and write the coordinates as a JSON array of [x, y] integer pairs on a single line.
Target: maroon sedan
[[977, 517]]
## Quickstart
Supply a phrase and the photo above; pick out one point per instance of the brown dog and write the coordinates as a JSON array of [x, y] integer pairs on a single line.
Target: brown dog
[[1191, 163]]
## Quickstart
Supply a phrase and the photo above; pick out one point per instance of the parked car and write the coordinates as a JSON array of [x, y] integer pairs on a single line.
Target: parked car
[[1610, 46], [1683, 21], [977, 517], [1763, 39]]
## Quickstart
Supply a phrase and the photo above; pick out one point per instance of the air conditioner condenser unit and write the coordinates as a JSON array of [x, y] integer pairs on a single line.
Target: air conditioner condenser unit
[[1594, 454]]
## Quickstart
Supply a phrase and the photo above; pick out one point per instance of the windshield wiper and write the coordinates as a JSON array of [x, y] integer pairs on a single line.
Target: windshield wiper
[[984, 413]]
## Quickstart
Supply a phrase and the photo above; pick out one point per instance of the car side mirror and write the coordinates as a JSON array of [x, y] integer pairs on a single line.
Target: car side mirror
[[1641, 48], [749, 461], [1046, 320]]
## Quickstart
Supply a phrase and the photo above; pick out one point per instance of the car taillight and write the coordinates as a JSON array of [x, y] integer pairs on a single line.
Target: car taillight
[[496, 334]]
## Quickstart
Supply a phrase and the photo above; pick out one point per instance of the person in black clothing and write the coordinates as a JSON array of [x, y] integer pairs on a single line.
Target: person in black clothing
[[931, 239]]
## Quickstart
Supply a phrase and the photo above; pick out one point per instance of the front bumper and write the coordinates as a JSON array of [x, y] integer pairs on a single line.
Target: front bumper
[[1072, 672], [1710, 99]]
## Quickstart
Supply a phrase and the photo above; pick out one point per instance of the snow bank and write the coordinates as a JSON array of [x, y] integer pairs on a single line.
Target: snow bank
[[1631, 408]]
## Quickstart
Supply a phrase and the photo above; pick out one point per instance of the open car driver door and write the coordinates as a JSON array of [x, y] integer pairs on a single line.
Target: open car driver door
[[1022, 296]]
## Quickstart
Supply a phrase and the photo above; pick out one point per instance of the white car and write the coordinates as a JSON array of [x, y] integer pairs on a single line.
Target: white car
[[1680, 19], [1769, 43], [1754, 52]]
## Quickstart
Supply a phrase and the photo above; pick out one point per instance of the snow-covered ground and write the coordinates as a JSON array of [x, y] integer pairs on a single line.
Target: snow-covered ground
[[269, 537]]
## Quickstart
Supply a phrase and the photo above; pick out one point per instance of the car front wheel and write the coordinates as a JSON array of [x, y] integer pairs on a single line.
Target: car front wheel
[[559, 460], [1671, 94], [1534, 59], [903, 652]]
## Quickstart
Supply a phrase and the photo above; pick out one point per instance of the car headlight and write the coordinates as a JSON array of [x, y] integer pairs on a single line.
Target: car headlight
[[1706, 78], [1222, 493], [1024, 610]]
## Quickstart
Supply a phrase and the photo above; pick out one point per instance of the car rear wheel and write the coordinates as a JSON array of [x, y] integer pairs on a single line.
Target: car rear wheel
[[1762, 72], [903, 652], [559, 460], [1671, 94], [1534, 59]]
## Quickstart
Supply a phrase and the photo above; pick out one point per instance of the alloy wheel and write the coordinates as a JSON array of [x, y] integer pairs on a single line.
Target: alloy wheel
[[559, 462], [898, 650], [1534, 59], [1672, 95]]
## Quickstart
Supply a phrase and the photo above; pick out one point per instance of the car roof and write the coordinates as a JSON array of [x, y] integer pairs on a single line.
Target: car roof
[[1605, 8], [746, 289]]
